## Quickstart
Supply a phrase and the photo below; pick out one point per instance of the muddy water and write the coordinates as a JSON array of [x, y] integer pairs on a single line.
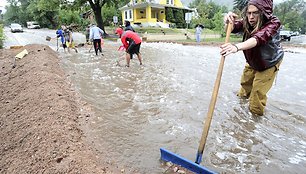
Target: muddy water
[[164, 103]]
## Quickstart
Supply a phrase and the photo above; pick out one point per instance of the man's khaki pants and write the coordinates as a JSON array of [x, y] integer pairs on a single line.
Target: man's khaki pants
[[255, 86]]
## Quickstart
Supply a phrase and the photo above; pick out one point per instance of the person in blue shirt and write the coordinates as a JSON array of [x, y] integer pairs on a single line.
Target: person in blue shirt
[[60, 34]]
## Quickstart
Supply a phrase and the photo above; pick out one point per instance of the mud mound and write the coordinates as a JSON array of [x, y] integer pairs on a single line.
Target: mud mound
[[40, 117]]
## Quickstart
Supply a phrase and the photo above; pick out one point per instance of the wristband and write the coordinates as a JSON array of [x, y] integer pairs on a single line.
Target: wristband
[[236, 47]]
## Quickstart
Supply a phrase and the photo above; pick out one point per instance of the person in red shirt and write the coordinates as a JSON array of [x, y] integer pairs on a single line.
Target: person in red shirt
[[131, 42]]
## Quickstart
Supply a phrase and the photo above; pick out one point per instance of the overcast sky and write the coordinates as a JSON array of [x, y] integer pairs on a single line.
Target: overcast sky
[[2, 3]]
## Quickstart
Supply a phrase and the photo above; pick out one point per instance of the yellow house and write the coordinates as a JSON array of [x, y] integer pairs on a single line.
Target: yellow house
[[149, 12]]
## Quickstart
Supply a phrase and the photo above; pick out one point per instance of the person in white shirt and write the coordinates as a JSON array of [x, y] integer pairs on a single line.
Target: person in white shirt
[[198, 33], [95, 36]]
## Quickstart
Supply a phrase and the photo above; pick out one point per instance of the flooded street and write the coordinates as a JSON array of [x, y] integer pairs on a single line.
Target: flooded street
[[164, 104]]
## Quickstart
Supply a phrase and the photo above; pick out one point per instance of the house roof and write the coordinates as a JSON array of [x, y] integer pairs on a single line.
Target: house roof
[[155, 1], [152, 3]]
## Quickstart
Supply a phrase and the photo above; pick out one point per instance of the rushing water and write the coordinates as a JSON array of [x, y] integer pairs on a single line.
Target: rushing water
[[164, 104]]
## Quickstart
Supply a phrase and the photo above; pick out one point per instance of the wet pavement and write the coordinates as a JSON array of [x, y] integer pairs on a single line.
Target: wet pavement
[[164, 104]]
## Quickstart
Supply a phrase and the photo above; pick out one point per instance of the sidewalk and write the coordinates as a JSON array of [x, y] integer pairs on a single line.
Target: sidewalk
[[168, 37]]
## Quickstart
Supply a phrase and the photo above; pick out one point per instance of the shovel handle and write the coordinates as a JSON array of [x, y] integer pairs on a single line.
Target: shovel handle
[[212, 101]]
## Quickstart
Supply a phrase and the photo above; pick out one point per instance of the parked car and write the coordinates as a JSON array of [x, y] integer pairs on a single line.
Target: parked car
[[295, 33], [33, 25], [16, 28], [285, 35]]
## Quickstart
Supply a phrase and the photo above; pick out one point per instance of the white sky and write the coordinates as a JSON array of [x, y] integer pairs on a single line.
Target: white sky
[[3, 3]]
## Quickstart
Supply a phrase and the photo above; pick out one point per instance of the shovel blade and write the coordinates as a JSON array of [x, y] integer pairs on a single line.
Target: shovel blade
[[176, 159]]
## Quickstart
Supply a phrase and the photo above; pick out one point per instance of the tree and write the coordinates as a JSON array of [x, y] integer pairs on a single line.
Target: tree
[[24, 16], [240, 4], [289, 12], [108, 12], [52, 13], [303, 26], [169, 15], [96, 6], [12, 12], [218, 22], [45, 11], [206, 12]]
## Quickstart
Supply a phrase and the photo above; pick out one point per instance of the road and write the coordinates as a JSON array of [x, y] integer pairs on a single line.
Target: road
[[300, 39], [36, 36]]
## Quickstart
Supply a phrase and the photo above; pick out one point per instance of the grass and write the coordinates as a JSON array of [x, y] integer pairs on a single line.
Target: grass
[[234, 38], [1, 36], [153, 30]]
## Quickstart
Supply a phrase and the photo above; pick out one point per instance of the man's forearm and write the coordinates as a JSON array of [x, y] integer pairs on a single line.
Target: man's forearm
[[248, 44]]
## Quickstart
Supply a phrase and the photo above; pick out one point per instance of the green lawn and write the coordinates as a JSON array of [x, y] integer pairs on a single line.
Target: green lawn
[[234, 38], [151, 30]]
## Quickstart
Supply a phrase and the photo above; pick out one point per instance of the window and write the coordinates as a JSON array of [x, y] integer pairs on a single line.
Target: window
[[128, 15], [125, 14], [171, 2]]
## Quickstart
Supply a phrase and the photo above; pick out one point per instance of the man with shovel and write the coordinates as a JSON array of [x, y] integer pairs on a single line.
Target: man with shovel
[[69, 39], [60, 34], [261, 48]]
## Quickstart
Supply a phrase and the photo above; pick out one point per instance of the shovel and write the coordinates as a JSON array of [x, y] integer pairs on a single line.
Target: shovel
[[48, 38], [194, 166]]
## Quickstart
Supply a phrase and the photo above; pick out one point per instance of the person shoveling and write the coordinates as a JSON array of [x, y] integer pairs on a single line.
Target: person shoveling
[[66, 38], [69, 39], [59, 34], [131, 42]]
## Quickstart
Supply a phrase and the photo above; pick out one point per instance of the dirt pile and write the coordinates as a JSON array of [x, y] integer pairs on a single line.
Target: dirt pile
[[40, 117]]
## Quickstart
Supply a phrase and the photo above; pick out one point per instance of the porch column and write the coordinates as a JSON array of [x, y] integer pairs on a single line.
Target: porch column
[[163, 15], [148, 13], [134, 15]]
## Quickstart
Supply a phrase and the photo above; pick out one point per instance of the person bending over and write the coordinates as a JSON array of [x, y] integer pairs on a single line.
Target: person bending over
[[131, 42]]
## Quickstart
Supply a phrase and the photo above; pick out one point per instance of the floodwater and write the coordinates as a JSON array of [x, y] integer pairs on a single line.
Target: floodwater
[[164, 104]]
